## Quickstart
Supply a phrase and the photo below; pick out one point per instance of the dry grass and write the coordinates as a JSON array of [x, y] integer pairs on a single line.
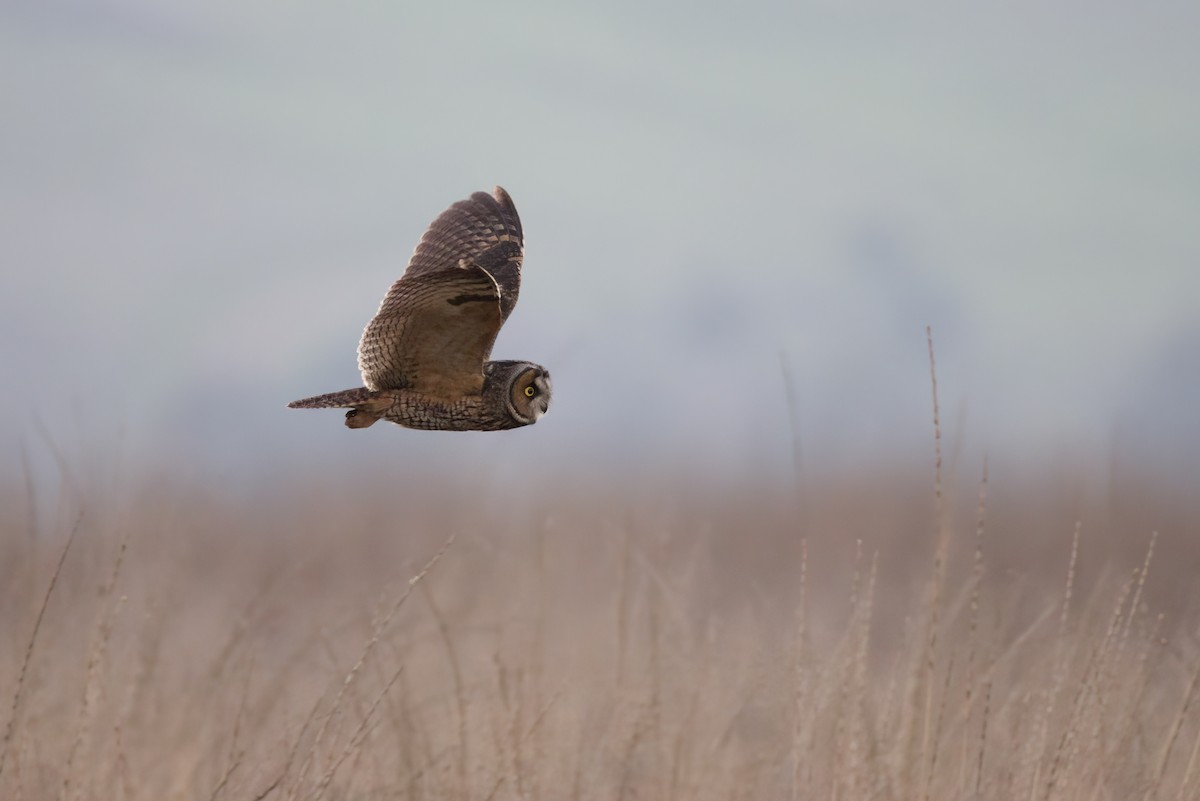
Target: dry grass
[[654, 645]]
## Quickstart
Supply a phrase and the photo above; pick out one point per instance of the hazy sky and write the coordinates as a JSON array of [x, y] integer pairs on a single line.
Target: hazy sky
[[202, 203]]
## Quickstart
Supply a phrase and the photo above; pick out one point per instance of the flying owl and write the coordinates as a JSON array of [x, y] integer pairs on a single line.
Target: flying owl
[[424, 357]]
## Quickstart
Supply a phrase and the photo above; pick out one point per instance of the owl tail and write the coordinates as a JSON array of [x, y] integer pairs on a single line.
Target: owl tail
[[366, 405]]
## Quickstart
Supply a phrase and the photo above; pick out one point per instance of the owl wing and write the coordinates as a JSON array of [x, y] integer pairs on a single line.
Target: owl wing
[[436, 325]]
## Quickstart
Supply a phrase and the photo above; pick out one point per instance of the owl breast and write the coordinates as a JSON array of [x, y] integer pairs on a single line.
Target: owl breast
[[465, 413]]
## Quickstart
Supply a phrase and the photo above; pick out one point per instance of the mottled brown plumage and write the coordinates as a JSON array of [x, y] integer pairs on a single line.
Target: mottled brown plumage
[[424, 356]]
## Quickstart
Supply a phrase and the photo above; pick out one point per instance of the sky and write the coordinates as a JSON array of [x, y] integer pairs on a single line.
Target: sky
[[202, 204]]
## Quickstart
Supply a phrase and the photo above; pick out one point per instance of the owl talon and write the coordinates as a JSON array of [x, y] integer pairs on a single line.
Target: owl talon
[[355, 418]]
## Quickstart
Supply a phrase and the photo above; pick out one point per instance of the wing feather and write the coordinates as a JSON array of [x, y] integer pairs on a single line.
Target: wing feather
[[469, 229], [436, 326]]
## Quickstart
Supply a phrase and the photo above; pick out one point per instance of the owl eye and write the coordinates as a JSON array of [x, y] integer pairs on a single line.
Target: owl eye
[[530, 392]]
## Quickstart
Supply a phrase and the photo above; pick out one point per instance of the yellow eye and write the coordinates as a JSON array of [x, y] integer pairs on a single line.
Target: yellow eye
[[530, 392]]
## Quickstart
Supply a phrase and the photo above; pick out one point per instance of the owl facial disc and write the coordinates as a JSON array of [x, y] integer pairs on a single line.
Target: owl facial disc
[[529, 394]]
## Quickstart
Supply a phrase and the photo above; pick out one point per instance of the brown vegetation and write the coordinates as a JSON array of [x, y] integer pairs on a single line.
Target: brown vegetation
[[675, 644]]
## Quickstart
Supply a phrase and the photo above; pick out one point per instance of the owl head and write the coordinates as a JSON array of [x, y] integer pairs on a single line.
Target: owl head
[[520, 391]]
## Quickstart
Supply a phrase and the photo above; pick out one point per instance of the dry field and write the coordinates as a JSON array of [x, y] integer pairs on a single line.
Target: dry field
[[165, 641]]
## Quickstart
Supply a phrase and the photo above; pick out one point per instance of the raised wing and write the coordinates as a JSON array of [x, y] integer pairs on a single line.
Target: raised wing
[[437, 324], [473, 229]]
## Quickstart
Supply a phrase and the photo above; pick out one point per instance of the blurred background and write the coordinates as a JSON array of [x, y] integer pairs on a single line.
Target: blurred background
[[721, 550], [202, 203]]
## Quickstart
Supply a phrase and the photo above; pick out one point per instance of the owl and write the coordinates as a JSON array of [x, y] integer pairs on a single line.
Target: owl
[[424, 357]]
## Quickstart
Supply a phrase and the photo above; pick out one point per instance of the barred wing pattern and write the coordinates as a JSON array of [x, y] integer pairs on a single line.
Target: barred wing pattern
[[437, 324]]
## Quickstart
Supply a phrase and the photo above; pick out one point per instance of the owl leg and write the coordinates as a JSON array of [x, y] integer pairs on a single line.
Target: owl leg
[[360, 418], [365, 413]]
